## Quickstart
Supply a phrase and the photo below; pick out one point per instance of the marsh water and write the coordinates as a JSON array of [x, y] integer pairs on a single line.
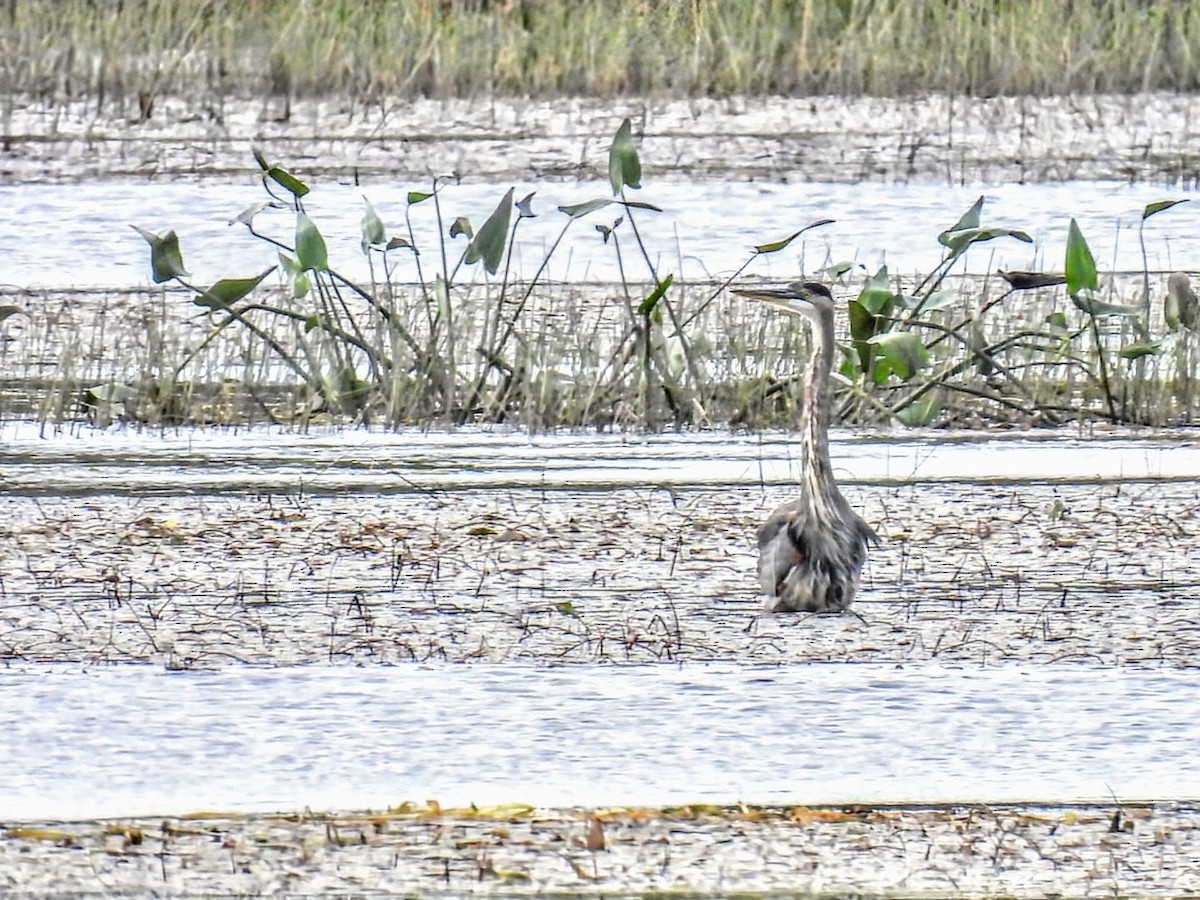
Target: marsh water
[[160, 587], [99, 739], [137, 741], [57, 236]]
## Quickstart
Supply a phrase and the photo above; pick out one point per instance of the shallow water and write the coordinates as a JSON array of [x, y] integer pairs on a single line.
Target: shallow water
[[138, 740], [703, 232], [333, 461]]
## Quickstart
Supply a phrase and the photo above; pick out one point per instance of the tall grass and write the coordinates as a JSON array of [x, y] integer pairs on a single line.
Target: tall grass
[[118, 50]]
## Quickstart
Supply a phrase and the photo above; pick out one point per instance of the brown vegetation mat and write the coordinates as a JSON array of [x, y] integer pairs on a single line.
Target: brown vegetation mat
[[692, 851], [972, 573]]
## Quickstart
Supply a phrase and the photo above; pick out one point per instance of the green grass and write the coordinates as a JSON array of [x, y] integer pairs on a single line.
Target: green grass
[[114, 50]]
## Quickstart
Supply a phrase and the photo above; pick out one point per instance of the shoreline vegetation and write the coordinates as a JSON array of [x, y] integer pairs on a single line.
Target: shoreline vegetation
[[120, 52]]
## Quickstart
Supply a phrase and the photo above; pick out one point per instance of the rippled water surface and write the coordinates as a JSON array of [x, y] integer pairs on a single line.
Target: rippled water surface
[[94, 740], [103, 742], [703, 231], [363, 461]]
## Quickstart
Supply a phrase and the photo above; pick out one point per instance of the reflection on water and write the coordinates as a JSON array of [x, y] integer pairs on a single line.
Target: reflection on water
[[702, 232], [142, 741]]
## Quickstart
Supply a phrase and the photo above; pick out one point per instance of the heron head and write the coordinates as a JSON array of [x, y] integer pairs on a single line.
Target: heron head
[[805, 298]]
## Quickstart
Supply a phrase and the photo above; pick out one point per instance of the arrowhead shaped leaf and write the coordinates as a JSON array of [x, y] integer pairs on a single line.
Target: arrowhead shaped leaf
[[229, 291], [166, 260], [1081, 267], [298, 280], [1159, 206], [959, 241], [1028, 281], [578, 210], [1094, 307], [461, 225], [287, 181], [489, 243], [373, 231], [525, 207], [876, 293], [924, 411], [904, 350], [246, 216], [415, 197], [624, 168], [310, 246], [968, 220], [942, 299], [1137, 351], [774, 246]]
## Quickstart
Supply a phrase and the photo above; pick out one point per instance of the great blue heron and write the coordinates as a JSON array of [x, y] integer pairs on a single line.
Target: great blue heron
[[811, 550], [1181, 308]]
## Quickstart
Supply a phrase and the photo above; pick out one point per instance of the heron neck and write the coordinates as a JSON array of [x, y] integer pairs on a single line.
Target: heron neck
[[815, 418]]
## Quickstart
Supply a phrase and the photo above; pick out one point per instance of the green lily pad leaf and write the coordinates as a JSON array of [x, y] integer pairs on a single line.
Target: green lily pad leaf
[[903, 350], [461, 225], [298, 280], [229, 291], [1159, 206], [660, 290], [774, 246], [923, 412], [488, 245], [373, 232], [624, 167], [415, 197], [1138, 350], [166, 260], [1094, 307], [310, 246], [1081, 267]]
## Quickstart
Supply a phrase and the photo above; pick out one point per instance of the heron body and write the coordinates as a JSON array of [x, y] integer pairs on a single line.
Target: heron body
[[1181, 308], [811, 550]]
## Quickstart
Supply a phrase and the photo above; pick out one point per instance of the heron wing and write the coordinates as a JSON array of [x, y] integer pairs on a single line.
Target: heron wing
[[777, 552]]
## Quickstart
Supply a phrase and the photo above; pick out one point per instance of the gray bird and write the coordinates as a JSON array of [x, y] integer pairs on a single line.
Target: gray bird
[[811, 550], [1181, 306]]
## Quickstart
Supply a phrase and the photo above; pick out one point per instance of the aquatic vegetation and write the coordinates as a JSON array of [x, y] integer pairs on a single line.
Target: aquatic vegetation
[[452, 333]]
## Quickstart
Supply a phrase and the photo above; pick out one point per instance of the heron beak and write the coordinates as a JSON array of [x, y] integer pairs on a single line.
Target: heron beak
[[785, 299]]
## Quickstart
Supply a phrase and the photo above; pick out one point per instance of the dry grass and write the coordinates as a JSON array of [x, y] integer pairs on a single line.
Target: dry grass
[[694, 851], [132, 51]]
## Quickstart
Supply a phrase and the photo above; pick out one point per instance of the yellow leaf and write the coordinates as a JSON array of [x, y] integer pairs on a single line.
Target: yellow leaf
[[40, 834]]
